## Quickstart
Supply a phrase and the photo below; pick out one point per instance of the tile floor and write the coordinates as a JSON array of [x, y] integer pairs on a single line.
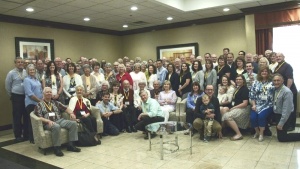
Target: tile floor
[[132, 151]]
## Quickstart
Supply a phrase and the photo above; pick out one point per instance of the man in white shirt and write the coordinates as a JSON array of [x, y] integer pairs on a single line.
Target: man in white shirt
[[207, 56], [214, 59]]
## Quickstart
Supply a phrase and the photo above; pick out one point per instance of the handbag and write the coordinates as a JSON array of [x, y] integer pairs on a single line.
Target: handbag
[[86, 138]]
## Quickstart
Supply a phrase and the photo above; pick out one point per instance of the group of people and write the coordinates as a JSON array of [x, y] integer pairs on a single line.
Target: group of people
[[134, 93]]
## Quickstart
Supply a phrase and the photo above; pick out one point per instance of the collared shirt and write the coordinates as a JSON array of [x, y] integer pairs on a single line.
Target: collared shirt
[[14, 82], [191, 100], [62, 72], [152, 108], [43, 110], [32, 87], [137, 99], [104, 108], [161, 74], [262, 93], [283, 103]]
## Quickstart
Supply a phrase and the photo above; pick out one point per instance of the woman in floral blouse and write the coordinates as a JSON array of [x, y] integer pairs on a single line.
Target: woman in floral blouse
[[261, 96]]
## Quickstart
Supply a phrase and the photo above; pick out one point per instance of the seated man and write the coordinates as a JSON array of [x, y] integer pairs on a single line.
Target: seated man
[[107, 110], [49, 112], [151, 112], [198, 122]]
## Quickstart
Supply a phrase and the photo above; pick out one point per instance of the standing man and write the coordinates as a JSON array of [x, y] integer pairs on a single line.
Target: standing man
[[115, 70], [283, 108], [161, 72], [151, 112], [192, 59], [39, 70], [225, 52], [286, 71], [249, 58], [177, 64], [207, 57], [59, 66], [198, 122], [15, 90], [214, 59], [49, 112]]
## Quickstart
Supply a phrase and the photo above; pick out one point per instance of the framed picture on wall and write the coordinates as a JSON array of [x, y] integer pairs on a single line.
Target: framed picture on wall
[[171, 52], [33, 48]]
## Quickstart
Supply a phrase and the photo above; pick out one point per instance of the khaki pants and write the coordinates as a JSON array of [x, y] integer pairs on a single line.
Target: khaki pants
[[198, 125]]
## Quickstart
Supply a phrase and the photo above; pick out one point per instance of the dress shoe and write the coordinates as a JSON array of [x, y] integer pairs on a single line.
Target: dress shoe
[[133, 129], [128, 130], [73, 149], [58, 152], [19, 139]]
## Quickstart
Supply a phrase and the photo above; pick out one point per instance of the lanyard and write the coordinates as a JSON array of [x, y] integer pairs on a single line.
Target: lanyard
[[236, 92], [48, 107], [219, 69], [80, 103], [279, 66], [19, 74], [126, 96], [276, 96]]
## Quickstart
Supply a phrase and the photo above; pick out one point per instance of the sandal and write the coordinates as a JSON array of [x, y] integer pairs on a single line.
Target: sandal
[[235, 139]]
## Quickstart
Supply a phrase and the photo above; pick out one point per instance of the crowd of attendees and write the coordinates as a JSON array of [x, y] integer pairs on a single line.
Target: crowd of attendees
[[221, 91]]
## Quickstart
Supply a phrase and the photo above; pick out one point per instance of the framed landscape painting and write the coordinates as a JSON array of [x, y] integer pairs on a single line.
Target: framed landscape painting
[[33, 48], [171, 52]]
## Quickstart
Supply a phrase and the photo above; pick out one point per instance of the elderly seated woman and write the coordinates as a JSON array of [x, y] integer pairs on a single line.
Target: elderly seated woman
[[167, 99], [81, 108]]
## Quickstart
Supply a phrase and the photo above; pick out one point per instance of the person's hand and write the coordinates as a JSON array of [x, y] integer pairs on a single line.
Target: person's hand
[[279, 127], [72, 116], [51, 123], [139, 107], [139, 118], [254, 108], [86, 115]]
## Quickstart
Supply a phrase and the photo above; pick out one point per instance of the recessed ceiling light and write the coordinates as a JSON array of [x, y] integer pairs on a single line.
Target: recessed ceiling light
[[169, 18], [86, 19], [226, 9], [29, 9], [134, 8], [125, 26]]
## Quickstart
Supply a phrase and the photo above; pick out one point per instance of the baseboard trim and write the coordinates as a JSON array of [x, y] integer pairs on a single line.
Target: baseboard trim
[[6, 127]]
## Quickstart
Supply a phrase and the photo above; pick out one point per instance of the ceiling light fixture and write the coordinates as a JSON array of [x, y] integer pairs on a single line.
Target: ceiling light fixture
[[86, 19], [125, 26], [226, 9], [134, 8], [29, 9], [169, 18]]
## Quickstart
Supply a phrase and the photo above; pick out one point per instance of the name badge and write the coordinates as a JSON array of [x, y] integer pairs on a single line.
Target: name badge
[[72, 89], [51, 114], [82, 113], [232, 103], [264, 97], [274, 107], [127, 103]]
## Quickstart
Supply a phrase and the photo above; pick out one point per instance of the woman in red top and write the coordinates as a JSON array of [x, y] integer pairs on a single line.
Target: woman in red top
[[81, 107], [123, 75]]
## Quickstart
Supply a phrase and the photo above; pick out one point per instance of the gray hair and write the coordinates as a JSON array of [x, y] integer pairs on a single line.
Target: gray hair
[[86, 66], [143, 91], [142, 82], [29, 66], [144, 63], [121, 65], [46, 88], [108, 65], [137, 65], [79, 86], [105, 82], [18, 58]]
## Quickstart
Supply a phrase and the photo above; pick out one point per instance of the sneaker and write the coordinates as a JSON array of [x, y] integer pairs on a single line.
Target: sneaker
[[261, 138], [255, 135], [73, 149], [58, 152]]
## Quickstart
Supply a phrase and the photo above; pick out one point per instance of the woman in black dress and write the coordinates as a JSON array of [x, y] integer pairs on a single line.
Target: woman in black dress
[[173, 77], [222, 68], [185, 80]]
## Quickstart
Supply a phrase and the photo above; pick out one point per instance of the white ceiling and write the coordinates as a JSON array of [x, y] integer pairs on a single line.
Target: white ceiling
[[112, 14]]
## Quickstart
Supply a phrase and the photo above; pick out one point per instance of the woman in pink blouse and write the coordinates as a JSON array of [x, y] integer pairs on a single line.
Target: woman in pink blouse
[[167, 99]]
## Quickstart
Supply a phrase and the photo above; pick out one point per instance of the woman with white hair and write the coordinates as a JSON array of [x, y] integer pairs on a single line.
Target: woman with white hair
[[89, 84], [104, 88], [109, 74], [81, 108], [167, 99], [137, 76], [33, 95], [123, 75]]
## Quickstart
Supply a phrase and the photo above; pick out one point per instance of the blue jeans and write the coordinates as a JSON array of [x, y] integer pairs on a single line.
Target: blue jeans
[[258, 119]]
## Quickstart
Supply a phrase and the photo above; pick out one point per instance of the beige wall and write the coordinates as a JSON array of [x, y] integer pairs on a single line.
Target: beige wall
[[211, 38], [71, 44]]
